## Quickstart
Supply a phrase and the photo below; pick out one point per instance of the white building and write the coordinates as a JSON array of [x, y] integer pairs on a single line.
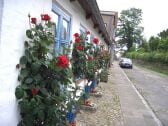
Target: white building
[[71, 16]]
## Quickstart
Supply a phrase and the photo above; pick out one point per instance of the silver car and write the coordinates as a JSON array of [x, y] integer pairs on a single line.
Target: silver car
[[126, 63]]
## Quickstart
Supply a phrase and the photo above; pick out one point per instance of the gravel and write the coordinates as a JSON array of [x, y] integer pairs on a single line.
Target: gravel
[[108, 111]]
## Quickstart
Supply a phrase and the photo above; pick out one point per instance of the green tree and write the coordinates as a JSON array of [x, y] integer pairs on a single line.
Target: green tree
[[129, 30], [153, 43], [163, 34]]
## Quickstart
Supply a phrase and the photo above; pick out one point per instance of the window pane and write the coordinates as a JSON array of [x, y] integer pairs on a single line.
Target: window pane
[[64, 30], [55, 20]]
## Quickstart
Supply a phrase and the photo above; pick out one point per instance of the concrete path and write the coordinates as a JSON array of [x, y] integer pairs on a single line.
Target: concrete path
[[136, 111], [153, 87]]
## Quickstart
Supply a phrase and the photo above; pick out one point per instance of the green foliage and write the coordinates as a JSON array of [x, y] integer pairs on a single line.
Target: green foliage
[[153, 43], [42, 94], [145, 47], [163, 34], [163, 45], [132, 48], [129, 30], [158, 57], [104, 75], [87, 60]]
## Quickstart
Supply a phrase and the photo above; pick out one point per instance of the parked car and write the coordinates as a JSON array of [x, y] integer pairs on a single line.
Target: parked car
[[126, 63]]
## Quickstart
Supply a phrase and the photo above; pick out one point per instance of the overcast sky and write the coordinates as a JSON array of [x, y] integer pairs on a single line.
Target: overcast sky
[[155, 12]]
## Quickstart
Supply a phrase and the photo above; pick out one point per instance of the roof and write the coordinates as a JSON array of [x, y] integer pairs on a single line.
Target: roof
[[92, 11], [109, 13]]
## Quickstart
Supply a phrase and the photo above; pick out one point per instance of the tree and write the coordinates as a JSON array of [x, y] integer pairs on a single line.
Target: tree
[[129, 30], [163, 34], [153, 43]]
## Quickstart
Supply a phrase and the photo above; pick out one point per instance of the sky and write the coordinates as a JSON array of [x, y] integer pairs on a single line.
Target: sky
[[154, 13]]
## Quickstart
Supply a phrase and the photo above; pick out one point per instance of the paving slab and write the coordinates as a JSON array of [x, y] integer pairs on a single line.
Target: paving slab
[[135, 109]]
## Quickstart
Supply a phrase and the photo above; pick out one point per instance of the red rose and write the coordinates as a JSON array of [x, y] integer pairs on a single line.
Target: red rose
[[90, 58], [34, 91], [77, 40], [45, 17], [96, 40], [33, 20], [76, 35], [80, 48], [62, 61], [88, 32]]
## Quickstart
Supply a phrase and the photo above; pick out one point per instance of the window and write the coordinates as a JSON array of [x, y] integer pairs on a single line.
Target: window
[[62, 29]]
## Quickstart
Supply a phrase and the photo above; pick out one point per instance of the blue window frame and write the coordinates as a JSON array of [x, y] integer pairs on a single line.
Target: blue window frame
[[62, 29]]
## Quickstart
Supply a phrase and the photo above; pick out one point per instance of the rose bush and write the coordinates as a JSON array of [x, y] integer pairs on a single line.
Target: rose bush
[[42, 95]]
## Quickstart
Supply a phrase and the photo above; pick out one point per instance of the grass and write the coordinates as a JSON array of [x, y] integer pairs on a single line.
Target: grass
[[157, 67]]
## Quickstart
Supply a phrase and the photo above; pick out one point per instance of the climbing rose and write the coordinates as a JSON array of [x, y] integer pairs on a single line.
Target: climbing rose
[[33, 20], [80, 48], [76, 35], [77, 40], [88, 32], [62, 61], [34, 91], [45, 17], [96, 40]]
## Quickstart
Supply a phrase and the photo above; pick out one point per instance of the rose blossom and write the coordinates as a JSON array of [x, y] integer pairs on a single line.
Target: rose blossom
[[76, 35], [34, 91], [77, 40], [96, 40], [88, 32], [45, 17], [80, 48], [62, 61], [33, 20], [90, 58]]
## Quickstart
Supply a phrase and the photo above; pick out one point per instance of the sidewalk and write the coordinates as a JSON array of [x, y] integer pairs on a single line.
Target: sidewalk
[[120, 105], [134, 109]]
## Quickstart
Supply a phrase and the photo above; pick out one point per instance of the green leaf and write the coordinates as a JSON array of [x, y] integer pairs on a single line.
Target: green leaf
[[28, 80], [54, 84], [29, 34], [23, 60], [35, 67], [19, 92], [44, 91], [38, 77], [24, 72], [25, 87], [41, 115], [28, 55]]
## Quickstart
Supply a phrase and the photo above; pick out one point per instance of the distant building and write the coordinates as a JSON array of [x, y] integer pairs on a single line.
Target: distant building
[[110, 19]]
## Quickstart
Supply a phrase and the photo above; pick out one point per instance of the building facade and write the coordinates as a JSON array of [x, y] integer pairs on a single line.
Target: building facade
[[110, 21], [70, 16]]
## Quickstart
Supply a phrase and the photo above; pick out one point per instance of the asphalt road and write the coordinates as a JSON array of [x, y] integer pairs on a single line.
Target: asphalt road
[[154, 88]]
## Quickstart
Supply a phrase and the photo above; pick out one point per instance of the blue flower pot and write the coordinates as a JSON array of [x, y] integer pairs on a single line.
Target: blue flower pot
[[70, 116], [93, 85], [87, 89]]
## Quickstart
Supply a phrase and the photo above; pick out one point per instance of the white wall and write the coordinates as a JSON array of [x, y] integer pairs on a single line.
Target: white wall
[[14, 25], [78, 17]]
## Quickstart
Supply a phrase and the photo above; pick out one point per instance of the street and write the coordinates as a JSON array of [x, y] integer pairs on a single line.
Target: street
[[154, 89]]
